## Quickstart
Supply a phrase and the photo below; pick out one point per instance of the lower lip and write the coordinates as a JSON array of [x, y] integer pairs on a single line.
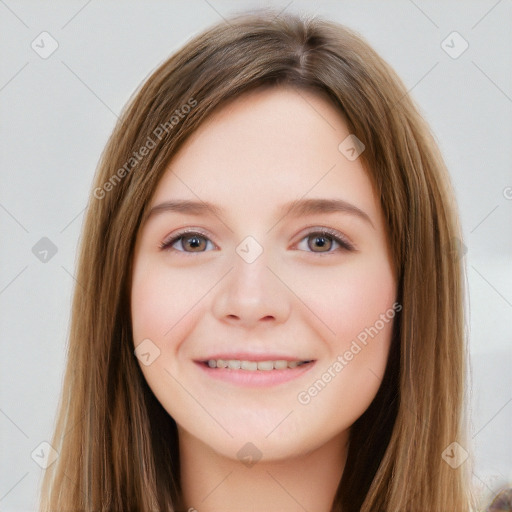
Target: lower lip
[[257, 378]]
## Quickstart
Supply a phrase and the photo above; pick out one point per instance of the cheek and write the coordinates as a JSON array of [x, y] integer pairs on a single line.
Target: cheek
[[347, 299], [165, 308], [357, 303], [163, 301]]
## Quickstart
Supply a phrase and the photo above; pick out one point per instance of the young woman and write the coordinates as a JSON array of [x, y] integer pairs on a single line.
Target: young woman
[[270, 314]]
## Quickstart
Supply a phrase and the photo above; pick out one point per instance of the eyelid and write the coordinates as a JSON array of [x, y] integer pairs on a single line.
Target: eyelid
[[337, 236], [173, 237]]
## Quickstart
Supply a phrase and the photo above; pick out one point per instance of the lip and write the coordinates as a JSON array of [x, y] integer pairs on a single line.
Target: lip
[[246, 356], [258, 378]]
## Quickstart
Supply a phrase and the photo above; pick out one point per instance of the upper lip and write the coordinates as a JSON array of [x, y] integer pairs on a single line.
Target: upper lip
[[246, 356]]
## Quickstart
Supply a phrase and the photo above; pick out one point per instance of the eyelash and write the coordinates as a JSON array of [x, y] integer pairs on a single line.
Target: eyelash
[[336, 236]]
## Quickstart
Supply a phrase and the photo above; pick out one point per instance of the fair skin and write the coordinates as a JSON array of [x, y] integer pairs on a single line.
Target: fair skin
[[304, 297]]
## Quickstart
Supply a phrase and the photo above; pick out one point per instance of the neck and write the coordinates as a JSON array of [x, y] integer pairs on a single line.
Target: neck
[[212, 482]]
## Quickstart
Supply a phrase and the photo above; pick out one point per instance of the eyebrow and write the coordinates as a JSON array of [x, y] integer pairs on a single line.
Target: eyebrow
[[297, 208]]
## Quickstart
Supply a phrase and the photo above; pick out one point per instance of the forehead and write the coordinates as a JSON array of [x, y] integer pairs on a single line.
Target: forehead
[[267, 148]]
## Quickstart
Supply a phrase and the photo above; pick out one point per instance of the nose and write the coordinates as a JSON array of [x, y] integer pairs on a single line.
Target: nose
[[252, 293]]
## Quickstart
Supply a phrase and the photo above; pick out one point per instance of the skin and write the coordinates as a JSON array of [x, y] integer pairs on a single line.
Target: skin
[[256, 153]]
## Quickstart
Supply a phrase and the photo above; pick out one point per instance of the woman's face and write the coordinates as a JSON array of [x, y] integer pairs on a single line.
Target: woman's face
[[251, 285]]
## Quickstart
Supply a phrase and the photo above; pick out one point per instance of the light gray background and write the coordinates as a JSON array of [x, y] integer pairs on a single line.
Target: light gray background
[[57, 113]]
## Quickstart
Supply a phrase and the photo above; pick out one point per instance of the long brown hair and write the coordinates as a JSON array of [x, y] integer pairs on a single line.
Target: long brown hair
[[117, 445]]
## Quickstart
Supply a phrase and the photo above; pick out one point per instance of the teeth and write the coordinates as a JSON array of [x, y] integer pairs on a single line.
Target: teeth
[[280, 365], [249, 365], [265, 365], [236, 364]]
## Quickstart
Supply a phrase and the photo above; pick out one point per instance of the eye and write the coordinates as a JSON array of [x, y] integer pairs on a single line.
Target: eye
[[197, 241], [324, 238], [190, 239]]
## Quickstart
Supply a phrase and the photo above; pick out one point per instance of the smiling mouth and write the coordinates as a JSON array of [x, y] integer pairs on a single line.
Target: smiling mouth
[[253, 366]]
